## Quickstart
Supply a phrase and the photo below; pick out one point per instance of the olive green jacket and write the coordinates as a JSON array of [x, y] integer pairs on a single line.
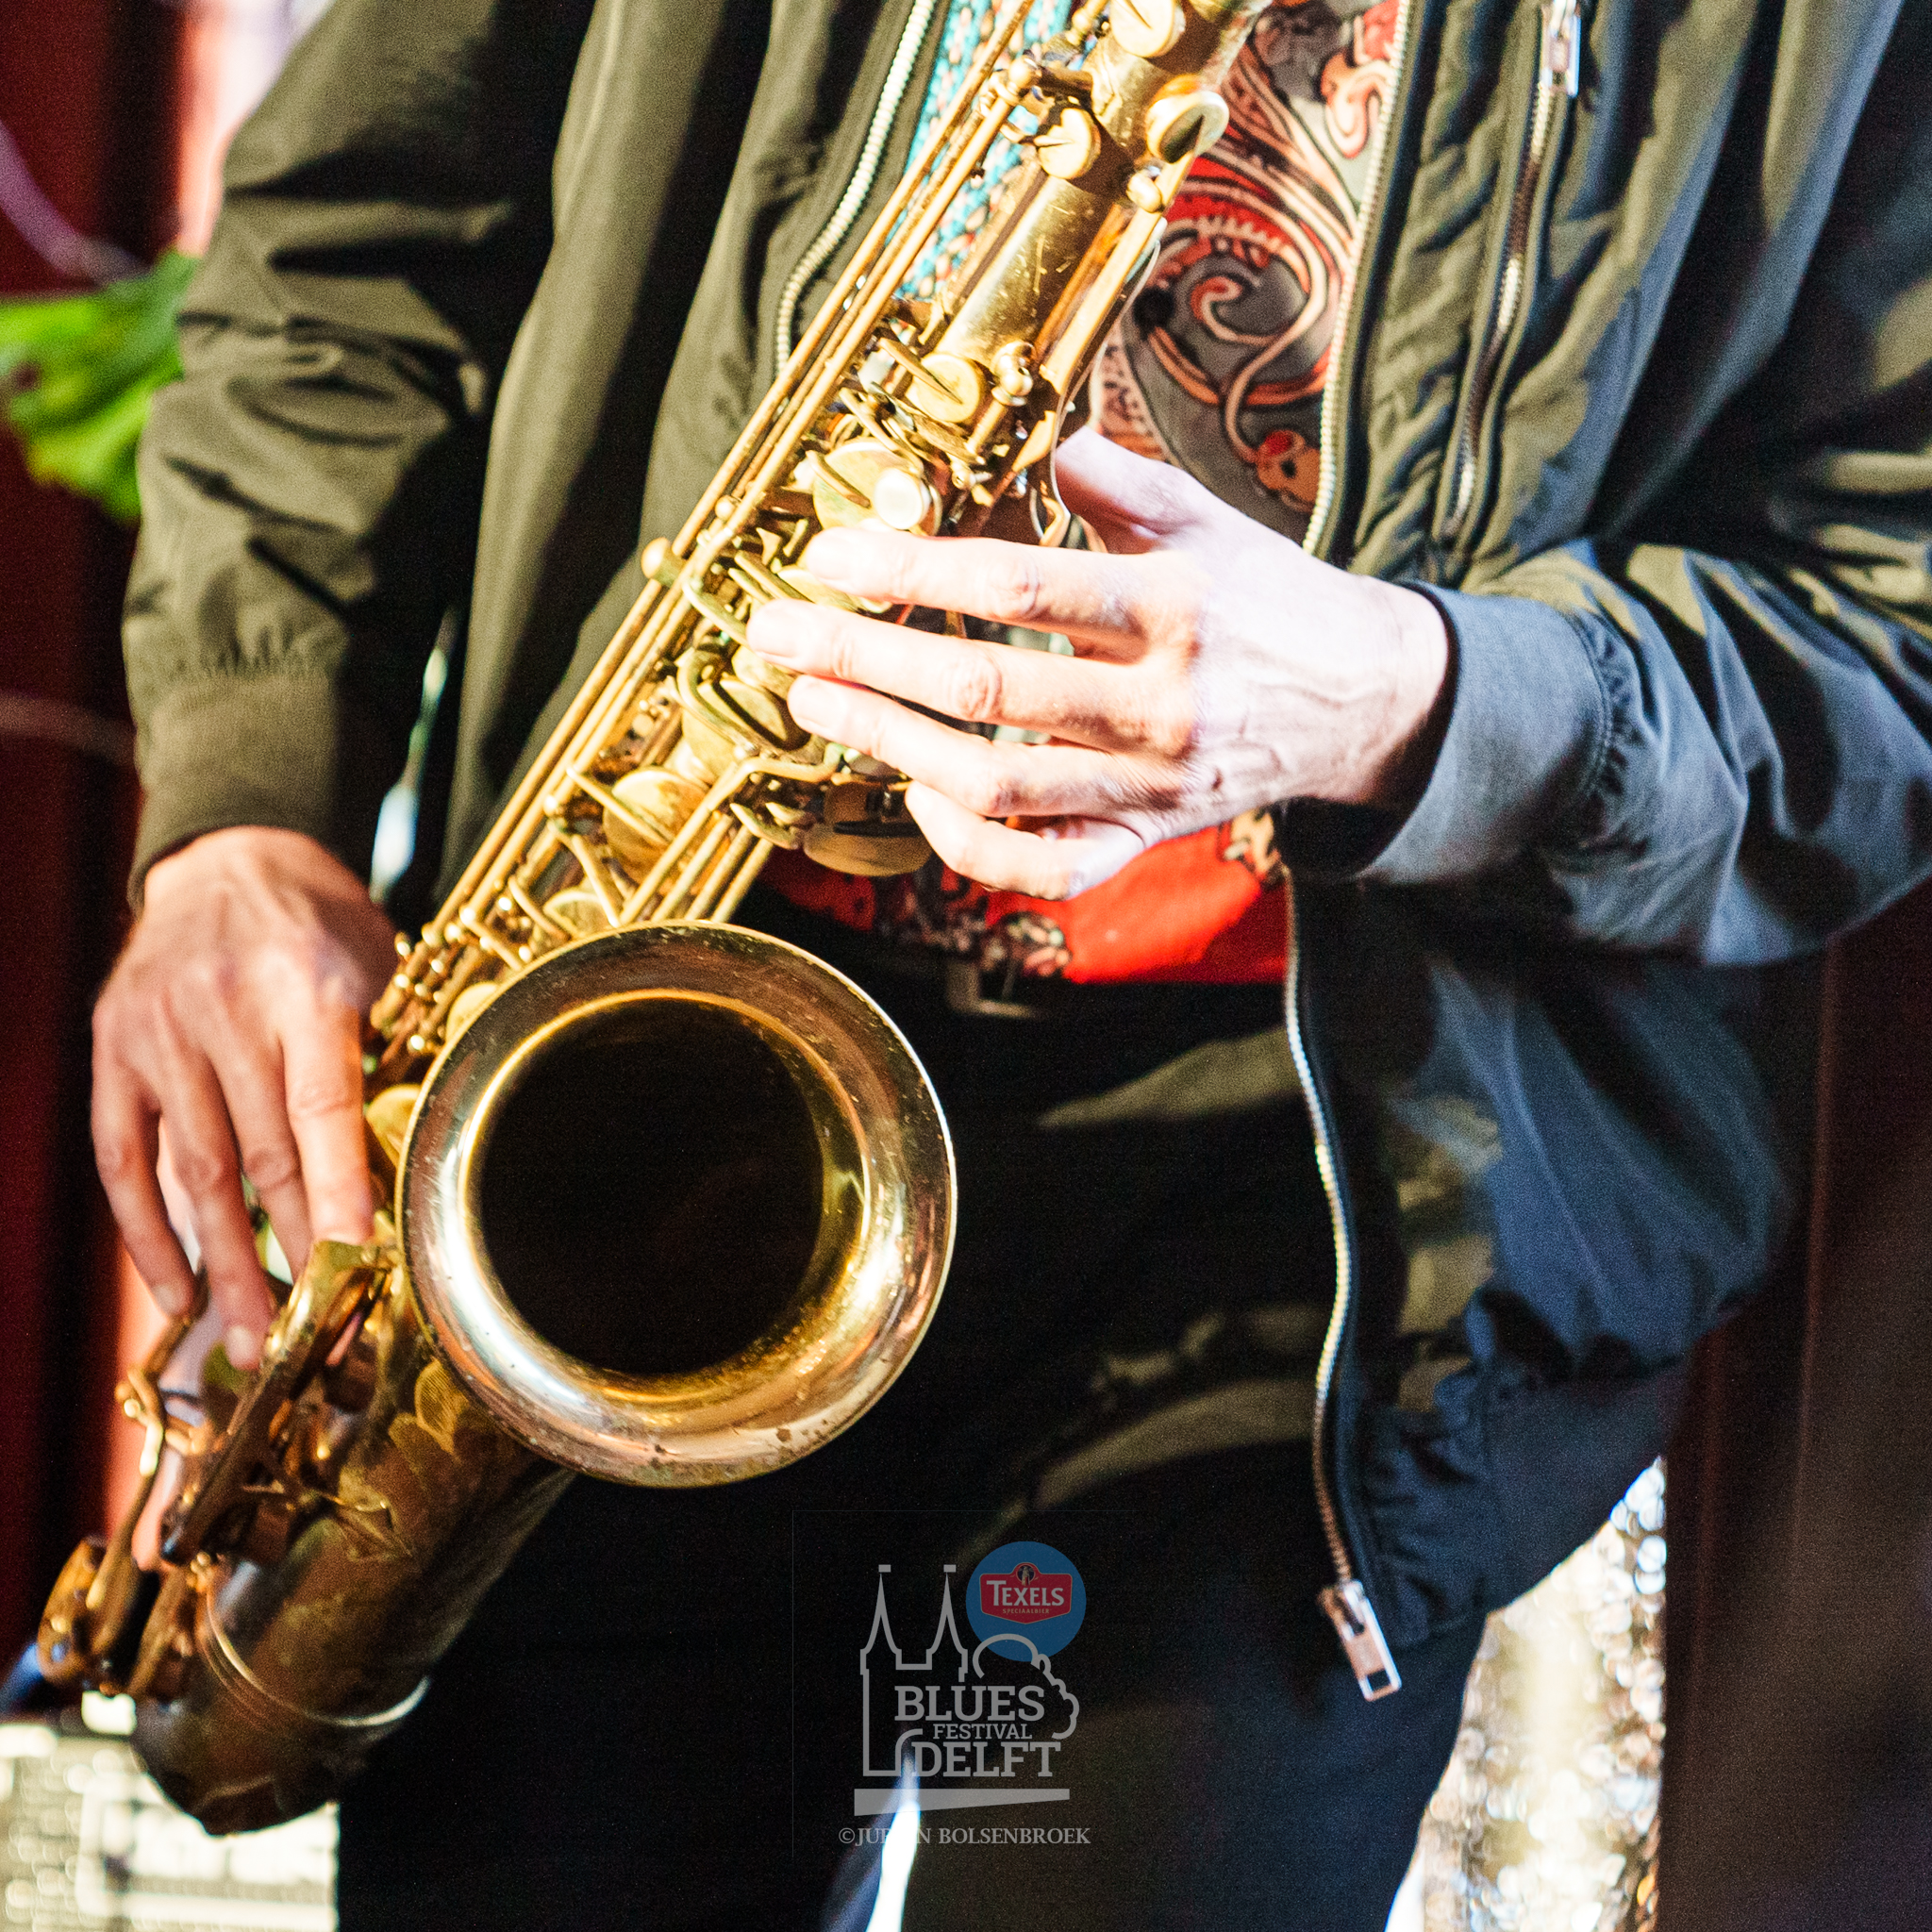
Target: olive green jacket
[[459, 337], [1639, 389], [483, 266]]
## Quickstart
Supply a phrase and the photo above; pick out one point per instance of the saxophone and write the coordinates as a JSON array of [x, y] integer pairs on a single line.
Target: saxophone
[[661, 1200]]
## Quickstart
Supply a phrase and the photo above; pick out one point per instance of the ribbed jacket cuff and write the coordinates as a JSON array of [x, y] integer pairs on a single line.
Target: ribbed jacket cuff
[[239, 751], [1529, 724], [1526, 732]]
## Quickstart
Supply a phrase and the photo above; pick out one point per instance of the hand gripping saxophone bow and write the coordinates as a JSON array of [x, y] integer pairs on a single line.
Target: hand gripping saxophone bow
[[663, 1200]]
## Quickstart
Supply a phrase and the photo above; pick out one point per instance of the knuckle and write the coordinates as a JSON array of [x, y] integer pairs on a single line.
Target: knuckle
[[117, 1155], [1170, 733], [291, 965], [1173, 498], [990, 792], [132, 1001], [272, 1166], [318, 1096], [1143, 784], [898, 567], [842, 641], [1166, 720], [975, 688], [204, 1170], [208, 976], [1180, 593], [1017, 588], [1183, 498]]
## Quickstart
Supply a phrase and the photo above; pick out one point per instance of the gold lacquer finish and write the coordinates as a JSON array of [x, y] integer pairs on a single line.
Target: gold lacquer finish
[[661, 1199], [775, 1161]]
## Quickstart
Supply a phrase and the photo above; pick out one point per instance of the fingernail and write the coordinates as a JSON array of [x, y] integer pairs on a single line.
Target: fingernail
[[802, 701], [240, 1345], [772, 632], [830, 556]]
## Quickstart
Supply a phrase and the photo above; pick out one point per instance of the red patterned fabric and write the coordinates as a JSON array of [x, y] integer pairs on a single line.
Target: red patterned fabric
[[1207, 908]]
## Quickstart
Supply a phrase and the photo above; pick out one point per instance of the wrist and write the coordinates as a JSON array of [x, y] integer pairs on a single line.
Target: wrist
[[1420, 692], [244, 850], [260, 884]]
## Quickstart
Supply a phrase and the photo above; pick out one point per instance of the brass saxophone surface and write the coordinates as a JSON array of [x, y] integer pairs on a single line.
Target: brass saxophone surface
[[663, 1200]]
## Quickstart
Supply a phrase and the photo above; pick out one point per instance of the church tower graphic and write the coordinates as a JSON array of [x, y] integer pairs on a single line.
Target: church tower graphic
[[934, 1667]]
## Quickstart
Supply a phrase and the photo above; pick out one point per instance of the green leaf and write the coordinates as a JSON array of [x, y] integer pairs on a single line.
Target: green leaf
[[81, 370]]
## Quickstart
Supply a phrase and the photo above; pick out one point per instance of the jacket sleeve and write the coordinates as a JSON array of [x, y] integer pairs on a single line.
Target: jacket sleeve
[[310, 488], [1712, 731]]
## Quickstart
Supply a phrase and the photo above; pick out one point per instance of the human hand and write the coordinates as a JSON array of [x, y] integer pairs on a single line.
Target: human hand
[[1218, 668], [231, 1029]]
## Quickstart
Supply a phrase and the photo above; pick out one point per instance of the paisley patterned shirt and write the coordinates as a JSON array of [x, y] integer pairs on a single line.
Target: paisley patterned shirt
[[1219, 367]]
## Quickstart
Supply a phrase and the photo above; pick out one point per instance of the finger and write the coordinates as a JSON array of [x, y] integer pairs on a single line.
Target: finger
[[253, 1091], [126, 1134], [147, 1529], [984, 684], [1056, 862], [181, 1379], [1094, 600], [1134, 503], [322, 1073], [201, 1152], [993, 780]]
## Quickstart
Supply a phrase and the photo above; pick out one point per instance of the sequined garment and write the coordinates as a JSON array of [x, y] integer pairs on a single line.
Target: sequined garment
[[968, 25]]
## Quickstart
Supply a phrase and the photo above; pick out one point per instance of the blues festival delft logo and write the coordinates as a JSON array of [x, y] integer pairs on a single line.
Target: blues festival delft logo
[[980, 1723]]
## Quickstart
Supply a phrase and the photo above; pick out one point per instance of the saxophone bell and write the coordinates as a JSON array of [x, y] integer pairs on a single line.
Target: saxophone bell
[[677, 1207], [677, 1204]]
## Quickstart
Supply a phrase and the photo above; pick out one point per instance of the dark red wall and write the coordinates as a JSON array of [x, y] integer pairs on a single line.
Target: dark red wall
[[85, 89], [1798, 1770]]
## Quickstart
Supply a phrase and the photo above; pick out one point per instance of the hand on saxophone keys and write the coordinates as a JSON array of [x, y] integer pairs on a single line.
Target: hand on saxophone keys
[[1217, 668], [229, 1034]]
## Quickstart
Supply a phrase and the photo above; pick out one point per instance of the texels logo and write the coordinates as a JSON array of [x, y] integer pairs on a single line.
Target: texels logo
[[1026, 1591], [1025, 1595]]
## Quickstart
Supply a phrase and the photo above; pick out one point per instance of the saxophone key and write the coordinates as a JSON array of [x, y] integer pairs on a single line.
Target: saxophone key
[[579, 911], [702, 753], [860, 832], [645, 811]]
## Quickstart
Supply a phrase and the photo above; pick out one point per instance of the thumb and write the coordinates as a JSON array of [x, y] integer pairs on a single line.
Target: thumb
[[1133, 503]]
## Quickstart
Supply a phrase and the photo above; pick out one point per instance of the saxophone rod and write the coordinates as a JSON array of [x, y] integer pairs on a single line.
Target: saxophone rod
[[828, 319], [587, 720], [836, 332], [879, 241]]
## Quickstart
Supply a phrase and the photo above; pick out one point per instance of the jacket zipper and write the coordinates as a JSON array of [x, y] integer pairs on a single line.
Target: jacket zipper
[[1559, 68], [898, 78], [1345, 1601], [1381, 163]]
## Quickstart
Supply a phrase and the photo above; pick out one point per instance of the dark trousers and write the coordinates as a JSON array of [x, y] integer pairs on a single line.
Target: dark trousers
[[655, 1720], [1225, 1771]]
